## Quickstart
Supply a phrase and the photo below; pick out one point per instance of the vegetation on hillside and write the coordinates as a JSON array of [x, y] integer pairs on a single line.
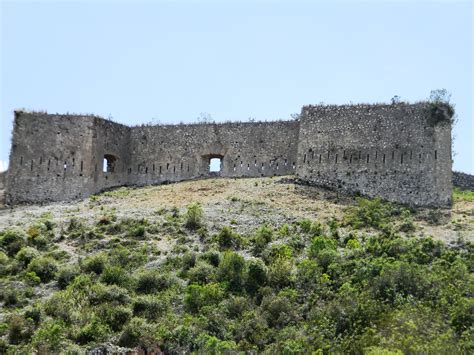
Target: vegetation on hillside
[[361, 283]]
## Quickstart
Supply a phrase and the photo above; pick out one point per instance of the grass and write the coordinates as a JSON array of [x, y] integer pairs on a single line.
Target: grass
[[463, 195]]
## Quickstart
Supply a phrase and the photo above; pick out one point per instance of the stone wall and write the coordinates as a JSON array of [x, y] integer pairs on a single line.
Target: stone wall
[[174, 153], [3, 176], [391, 151], [462, 180]]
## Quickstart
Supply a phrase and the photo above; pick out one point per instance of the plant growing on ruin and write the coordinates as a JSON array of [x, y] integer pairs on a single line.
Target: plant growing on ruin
[[439, 109]]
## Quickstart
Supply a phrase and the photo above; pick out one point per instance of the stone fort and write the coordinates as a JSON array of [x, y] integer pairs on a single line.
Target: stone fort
[[399, 152]]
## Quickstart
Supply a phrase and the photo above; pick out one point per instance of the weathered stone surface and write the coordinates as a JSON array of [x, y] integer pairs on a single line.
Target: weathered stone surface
[[391, 151], [463, 180]]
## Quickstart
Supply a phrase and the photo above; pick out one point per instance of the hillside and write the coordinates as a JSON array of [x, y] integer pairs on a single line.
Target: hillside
[[243, 264]]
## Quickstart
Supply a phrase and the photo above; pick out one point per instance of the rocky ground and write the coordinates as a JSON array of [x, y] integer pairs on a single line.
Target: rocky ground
[[245, 203]]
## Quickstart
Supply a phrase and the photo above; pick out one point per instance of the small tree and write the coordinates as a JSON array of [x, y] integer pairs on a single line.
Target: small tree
[[194, 216], [440, 96]]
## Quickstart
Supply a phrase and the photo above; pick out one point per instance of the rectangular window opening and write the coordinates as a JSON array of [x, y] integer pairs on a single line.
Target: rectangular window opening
[[215, 165]]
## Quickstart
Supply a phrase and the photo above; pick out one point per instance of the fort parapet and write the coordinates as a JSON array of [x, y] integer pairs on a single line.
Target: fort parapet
[[399, 152]]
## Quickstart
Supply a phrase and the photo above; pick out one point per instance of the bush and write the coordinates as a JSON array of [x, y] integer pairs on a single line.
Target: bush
[[66, 275], [281, 273], [194, 216], [202, 273], [152, 281], [32, 279], [149, 307], [256, 276], [277, 251], [33, 313], [95, 263], [236, 306], [19, 329], [114, 275], [92, 331], [228, 239], [278, 310], [211, 345], [212, 257], [319, 244], [25, 255], [132, 333], [49, 337], [370, 213], [198, 296], [12, 240], [44, 267], [262, 237], [231, 271], [115, 316]]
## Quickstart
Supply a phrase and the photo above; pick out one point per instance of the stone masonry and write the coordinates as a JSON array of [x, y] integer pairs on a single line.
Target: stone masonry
[[399, 152]]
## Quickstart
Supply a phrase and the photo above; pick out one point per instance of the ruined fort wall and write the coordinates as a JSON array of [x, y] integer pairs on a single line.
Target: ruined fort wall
[[60, 157], [180, 152], [50, 158], [111, 140], [395, 152]]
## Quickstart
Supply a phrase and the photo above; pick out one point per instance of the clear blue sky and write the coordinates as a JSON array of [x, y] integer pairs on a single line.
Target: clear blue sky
[[173, 60]]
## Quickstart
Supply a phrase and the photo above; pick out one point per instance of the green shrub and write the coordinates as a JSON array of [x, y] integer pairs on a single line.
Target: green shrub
[[12, 240], [198, 296], [25, 255], [95, 263], [209, 344], [212, 257], [188, 260], [231, 271], [278, 310], [281, 273], [32, 279], [256, 276], [305, 225], [114, 275], [19, 329], [228, 239], [149, 307], [370, 213], [66, 275], [262, 237], [235, 306], [284, 230], [44, 267], [115, 316], [108, 294], [11, 297], [33, 313], [319, 244], [152, 281], [400, 280], [194, 216], [202, 273], [277, 251], [49, 337], [326, 257], [134, 330], [92, 331]]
